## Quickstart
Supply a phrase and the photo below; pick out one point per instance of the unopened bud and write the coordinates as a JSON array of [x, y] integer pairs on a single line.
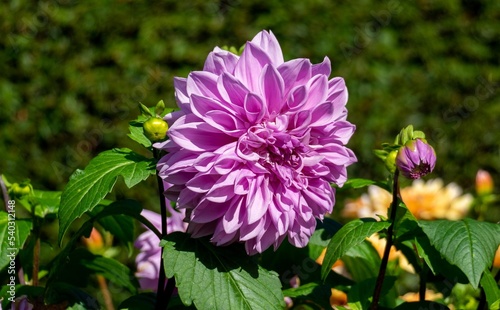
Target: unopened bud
[[416, 159], [484, 183], [155, 129], [18, 190]]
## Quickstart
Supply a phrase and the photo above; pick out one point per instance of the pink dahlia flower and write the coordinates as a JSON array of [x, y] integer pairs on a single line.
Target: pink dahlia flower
[[255, 145], [148, 259]]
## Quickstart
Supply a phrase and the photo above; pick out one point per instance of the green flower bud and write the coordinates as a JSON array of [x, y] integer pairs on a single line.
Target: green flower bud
[[155, 129], [18, 190]]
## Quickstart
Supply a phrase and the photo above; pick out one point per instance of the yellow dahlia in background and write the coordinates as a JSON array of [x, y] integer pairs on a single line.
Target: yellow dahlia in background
[[426, 200]]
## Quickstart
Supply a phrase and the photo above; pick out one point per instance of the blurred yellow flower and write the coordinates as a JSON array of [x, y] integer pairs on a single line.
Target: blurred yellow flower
[[429, 295], [426, 200]]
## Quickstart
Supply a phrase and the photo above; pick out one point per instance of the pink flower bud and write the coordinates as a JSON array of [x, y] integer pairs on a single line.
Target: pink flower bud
[[484, 182], [416, 159]]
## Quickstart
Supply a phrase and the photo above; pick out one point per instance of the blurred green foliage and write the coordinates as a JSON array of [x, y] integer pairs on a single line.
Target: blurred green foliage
[[73, 72]]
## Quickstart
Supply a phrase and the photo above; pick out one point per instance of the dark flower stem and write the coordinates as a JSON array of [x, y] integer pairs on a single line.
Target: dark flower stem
[[423, 282], [387, 250], [162, 295]]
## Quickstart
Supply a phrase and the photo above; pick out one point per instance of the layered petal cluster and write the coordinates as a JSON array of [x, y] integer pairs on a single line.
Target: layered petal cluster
[[255, 146], [148, 259]]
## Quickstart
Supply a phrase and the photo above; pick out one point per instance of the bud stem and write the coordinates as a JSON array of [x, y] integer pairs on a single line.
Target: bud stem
[[390, 231], [162, 294]]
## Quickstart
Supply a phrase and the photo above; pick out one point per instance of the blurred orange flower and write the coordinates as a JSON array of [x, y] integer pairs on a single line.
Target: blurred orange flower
[[94, 242], [496, 262]]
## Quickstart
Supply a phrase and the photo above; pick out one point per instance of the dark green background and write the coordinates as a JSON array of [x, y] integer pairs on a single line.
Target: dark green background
[[73, 71]]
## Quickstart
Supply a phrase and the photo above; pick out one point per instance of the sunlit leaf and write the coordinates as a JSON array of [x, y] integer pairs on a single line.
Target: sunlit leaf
[[491, 289], [85, 190], [350, 235], [13, 234], [468, 244], [219, 277]]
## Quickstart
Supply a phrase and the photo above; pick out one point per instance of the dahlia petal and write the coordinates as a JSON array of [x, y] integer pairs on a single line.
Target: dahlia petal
[[242, 182], [201, 105], [201, 230], [181, 94], [295, 72], [255, 108], [202, 183], [249, 231], [233, 218], [222, 237], [271, 85], [322, 115], [301, 122], [323, 68], [269, 44], [220, 61], [203, 84], [318, 86], [227, 123], [207, 211], [222, 190], [258, 201], [194, 136], [278, 217], [297, 98], [250, 65], [337, 92], [232, 91]]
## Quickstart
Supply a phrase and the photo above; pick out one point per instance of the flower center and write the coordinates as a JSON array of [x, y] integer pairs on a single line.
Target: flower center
[[421, 170], [271, 147]]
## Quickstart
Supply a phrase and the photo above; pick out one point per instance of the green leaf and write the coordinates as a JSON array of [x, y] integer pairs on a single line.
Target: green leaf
[[350, 235], [137, 133], [109, 268], [361, 293], [495, 305], [13, 234], [491, 289], [406, 225], [362, 261], [468, 244], [360, 183], [302, 290], [143, 301], [219, 277], [87, 189], [124, 207], [62, 294], [438, 264], [120, 226], [312, 294], [45, 202], [319, 240]]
